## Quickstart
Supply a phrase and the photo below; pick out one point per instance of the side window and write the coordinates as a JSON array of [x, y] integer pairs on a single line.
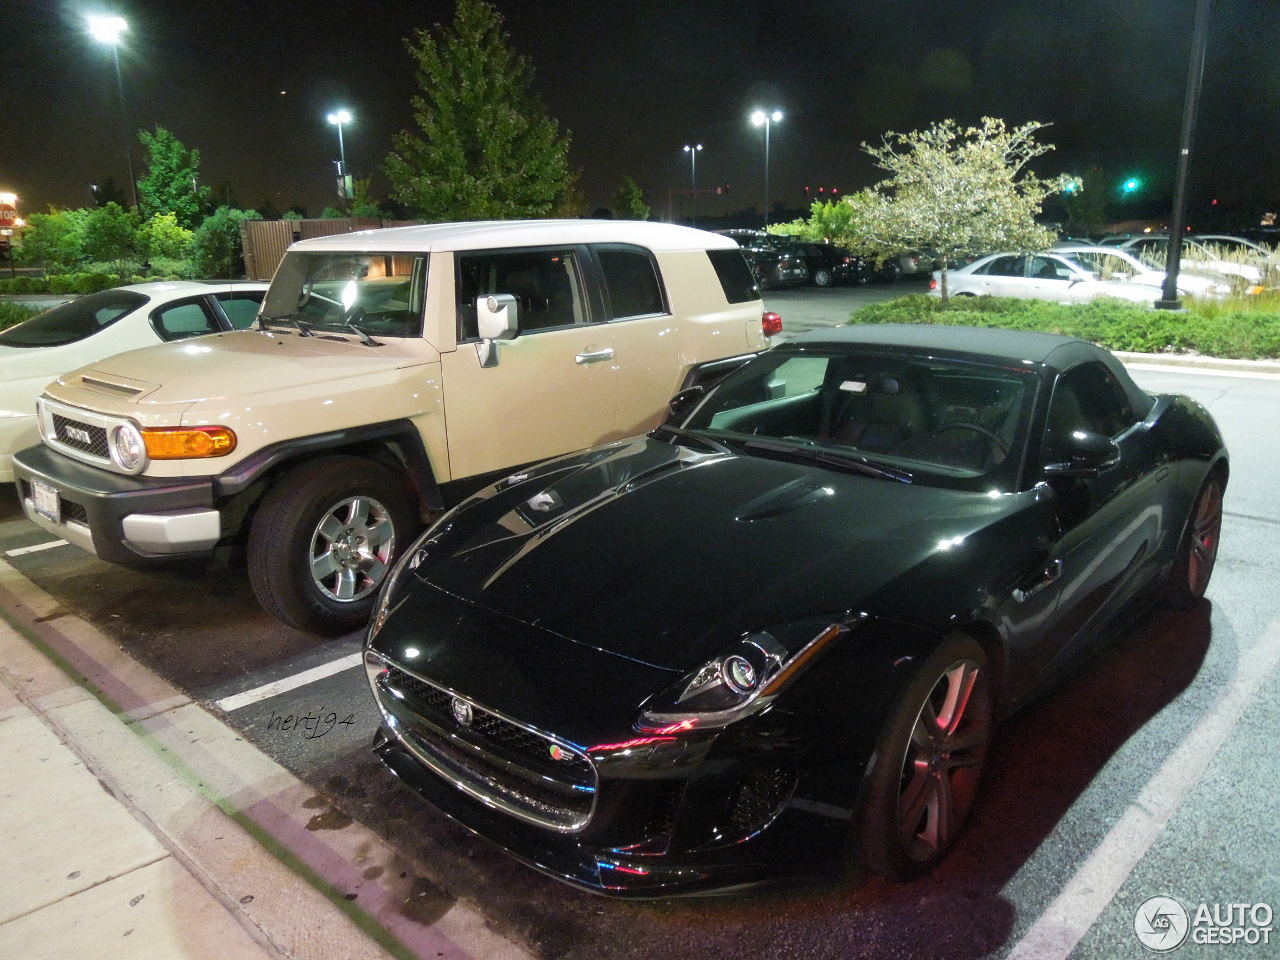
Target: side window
[[1087, 397], [1047, 268], [736, 278], [1008, 267], [241, 308], [631, 278], [547, 285], [182, 320]]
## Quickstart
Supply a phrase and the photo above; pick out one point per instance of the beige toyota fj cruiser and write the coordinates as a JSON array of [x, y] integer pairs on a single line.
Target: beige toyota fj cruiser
[[391, 373]]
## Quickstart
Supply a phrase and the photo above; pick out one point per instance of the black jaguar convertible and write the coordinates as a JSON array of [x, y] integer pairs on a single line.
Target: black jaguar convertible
[[776, 634]]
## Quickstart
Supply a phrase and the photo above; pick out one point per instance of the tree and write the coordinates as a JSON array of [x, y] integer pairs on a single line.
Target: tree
[[54, 239], [106, 191], [1086, 201], [956, 192], [216, 248], [362, 205], [111, 236], [628, 202], [829, 220], [485, 147], [169, 185], [163, 236]]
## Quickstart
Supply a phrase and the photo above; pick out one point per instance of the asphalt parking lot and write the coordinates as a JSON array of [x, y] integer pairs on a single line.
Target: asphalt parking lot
[[1152, 772]]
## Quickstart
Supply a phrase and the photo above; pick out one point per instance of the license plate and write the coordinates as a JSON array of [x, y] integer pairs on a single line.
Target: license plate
[[47, 502]]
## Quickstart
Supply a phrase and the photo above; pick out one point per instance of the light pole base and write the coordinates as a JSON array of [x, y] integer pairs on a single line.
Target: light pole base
[[1175, 305]]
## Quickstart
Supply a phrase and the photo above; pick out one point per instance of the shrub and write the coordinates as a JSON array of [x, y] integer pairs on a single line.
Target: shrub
[[216, 249], [12, 313], [164, 237], [1247, 330]]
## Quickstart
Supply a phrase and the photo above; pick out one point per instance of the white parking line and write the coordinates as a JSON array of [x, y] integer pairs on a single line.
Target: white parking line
[[268, 690], [1064, 924], [35, 548]]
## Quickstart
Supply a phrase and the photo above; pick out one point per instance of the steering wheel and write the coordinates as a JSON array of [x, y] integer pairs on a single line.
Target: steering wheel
[[991, 435]]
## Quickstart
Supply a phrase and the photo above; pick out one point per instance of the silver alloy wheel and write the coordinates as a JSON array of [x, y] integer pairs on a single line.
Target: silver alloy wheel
[[822, 277], [351, 549], [1205, 530], [943, 761]]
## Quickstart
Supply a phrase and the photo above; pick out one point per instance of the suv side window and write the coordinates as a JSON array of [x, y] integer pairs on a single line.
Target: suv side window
[[736, 278], [181, 320], [1087, 397], [631, 280], [547, 285], [241, 309]]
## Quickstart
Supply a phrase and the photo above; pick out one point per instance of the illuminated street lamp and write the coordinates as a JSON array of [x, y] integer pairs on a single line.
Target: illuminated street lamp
[[108, 30], [338, 118], [692, 151], [761, 118]]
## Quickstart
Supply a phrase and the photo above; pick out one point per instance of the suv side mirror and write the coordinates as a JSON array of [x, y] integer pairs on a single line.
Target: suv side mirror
[[1085, 453], [497, 318], [684, 401]]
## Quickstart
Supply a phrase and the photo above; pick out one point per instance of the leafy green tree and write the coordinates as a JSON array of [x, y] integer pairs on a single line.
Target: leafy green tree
[[1086, 201], [955, 191], [485, 147], [216, 248], [54, 239], [111, 236], [628, 201], [362, 204], [828, 220], [163, 236], [332, 213], [170, 182], [292, 214]]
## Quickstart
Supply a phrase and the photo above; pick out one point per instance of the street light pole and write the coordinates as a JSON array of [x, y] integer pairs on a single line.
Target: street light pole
[[692, 151], [107, 30], [1195, 75], [761, 118], [338, 118]]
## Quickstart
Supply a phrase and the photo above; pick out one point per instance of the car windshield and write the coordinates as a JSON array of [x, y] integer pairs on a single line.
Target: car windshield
[[946, 422], [378, 294], [71, 322], [1105, 264]]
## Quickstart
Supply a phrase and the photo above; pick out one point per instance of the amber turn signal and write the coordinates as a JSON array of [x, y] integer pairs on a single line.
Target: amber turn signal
[[188, 443]]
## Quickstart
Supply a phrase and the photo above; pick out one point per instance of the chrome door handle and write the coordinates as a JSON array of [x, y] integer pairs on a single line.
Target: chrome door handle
[[1051, 573], [595, 356]]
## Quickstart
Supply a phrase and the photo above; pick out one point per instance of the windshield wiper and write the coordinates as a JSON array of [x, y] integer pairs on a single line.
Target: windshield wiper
[[691, 437], [828, 457], [303, 329], [368, 340]]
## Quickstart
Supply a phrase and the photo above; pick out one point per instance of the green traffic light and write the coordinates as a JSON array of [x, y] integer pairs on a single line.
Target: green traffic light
[[1132, 184]]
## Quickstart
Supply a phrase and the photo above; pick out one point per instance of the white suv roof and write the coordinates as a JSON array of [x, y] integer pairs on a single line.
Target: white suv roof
[[487, 234]]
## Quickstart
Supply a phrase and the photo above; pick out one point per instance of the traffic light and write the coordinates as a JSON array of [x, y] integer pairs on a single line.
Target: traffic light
[[1132, 185]]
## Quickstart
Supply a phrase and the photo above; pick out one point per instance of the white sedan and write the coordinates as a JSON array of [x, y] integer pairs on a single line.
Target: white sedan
[[1071, 274], [100, 325]]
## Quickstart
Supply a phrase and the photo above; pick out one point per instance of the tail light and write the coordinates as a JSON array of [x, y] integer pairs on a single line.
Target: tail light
[[933, 284], [847, 260], [771, 324]]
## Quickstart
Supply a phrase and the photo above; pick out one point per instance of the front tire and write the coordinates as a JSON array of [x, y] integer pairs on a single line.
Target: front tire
[[1198, 551], [929, 762], [324, 539], [822, 277]]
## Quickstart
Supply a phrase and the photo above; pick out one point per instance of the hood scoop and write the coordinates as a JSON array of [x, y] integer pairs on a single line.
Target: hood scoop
[[801, 492], [113, 385]]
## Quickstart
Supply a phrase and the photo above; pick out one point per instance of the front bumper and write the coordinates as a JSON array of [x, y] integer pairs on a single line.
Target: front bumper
[[132, 521]]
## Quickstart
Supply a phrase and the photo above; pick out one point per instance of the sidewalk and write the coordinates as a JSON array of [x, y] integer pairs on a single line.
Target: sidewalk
[[82, 877]]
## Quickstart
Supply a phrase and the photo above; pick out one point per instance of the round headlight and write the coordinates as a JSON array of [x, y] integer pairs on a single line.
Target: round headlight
[[740, 674], [127, 448]]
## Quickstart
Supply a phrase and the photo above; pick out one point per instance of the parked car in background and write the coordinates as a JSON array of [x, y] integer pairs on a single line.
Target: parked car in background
[[829, 265], [1241, 261], [827, 581], [1070, 275], [392, 373], [97, 326], [777, 266]]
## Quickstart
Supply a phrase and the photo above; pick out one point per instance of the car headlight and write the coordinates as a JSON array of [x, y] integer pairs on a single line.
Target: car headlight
[[409, 560], [128, 449], [745, 677]]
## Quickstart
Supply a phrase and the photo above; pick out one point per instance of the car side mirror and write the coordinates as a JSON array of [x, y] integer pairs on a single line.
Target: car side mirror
[[684, 401], [1082, 455], [497, 318]]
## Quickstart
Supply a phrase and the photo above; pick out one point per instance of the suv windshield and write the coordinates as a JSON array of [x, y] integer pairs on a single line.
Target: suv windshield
[[73, 321], [946, 422], [378, 293]]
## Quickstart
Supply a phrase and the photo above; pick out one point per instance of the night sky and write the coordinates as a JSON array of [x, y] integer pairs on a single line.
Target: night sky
[[634, 82]]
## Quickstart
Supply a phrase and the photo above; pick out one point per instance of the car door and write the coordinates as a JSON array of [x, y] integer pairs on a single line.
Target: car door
[[1109, 526], [1005, 277], [553, 388], [644, 334], [1049, 278]]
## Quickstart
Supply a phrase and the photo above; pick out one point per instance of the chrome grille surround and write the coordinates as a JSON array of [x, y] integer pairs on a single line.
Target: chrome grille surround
[[56, 419], [494, 759]]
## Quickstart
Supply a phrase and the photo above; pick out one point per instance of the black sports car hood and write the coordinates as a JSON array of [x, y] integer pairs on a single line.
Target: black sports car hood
[[665, 554]]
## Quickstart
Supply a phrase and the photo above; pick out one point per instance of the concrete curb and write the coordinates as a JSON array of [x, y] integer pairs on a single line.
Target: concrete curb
[[1196, 362]]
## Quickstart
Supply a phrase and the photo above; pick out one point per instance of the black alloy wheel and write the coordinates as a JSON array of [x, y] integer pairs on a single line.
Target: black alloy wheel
[[929, 764], [323, 540], [1198, 551]]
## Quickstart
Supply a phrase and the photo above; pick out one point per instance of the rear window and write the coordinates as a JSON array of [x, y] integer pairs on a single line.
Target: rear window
[[736, 278], [70, 322]]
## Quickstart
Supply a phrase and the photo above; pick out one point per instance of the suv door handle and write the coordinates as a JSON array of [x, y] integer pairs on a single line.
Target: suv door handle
[[1048, 576], [595, 356]]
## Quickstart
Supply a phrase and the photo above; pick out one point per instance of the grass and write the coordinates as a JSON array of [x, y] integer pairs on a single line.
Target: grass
[[13, 313], [1242, 328]]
